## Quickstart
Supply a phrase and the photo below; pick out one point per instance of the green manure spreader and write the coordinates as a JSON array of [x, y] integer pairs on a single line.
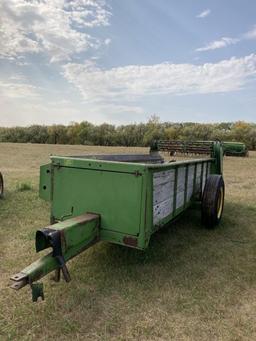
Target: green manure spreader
[[121, 199]]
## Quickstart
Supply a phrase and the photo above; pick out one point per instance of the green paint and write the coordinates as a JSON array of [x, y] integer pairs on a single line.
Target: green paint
[[37, 291]]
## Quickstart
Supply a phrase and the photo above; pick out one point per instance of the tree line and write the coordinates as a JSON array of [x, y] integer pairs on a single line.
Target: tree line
[[141, 134]]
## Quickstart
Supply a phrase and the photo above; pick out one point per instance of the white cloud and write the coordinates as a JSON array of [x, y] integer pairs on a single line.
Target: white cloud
[[226, 41], [250, 34], [204, 14], [107, 41], [17, 88], [112, 108], [132, 82], [218, 44], [20, 113], [56, 27]]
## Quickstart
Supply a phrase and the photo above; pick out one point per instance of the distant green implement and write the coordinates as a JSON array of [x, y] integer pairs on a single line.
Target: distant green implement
[[121, 199], [174, 147], [235, 149]]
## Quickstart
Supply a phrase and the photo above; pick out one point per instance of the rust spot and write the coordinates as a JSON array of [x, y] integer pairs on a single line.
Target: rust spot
[[137, 173], [130, 241]]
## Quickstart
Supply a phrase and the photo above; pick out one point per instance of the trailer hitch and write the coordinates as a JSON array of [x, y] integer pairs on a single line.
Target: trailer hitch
[[67, 239]]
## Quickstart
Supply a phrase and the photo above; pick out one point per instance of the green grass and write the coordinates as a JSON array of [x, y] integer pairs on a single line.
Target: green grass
[[190, 284]]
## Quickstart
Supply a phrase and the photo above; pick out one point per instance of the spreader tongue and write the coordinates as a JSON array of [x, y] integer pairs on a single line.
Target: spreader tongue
[[67, 239]]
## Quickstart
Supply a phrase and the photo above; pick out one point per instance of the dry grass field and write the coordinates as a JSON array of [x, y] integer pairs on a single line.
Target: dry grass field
[[190, 284]]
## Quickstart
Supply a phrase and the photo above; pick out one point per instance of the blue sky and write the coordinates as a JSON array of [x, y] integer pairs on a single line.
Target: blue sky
[[120, 61]]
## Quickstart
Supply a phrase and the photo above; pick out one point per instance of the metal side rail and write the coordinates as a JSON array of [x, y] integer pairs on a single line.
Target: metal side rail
[[67, 239]]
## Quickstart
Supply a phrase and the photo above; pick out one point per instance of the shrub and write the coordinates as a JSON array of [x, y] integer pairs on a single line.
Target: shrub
[[24, 186]]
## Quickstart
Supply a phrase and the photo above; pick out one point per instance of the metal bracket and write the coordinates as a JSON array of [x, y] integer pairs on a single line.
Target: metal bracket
[[37, 291], [64, 268], [52, 237]]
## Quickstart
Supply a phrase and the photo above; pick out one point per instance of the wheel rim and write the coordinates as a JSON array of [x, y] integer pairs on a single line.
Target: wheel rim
[[220, 203]]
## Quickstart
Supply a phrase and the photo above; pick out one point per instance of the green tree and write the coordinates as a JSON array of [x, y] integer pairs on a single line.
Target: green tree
[[57, 134], [154, 130]]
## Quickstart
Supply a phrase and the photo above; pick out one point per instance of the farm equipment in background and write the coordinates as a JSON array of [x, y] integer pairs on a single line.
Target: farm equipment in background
[[186, 147], [1, 186], [235, 149], [121, 199], [174, 147]]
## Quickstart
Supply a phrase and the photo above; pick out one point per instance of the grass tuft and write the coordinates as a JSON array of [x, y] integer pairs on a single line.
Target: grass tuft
[[24, 186]]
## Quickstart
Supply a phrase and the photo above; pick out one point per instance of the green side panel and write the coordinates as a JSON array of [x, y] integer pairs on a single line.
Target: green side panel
[[45, 187], [116, 196]]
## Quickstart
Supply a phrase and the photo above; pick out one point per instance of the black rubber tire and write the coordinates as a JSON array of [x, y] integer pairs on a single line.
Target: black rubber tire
[[1, 186], [213, 201]]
